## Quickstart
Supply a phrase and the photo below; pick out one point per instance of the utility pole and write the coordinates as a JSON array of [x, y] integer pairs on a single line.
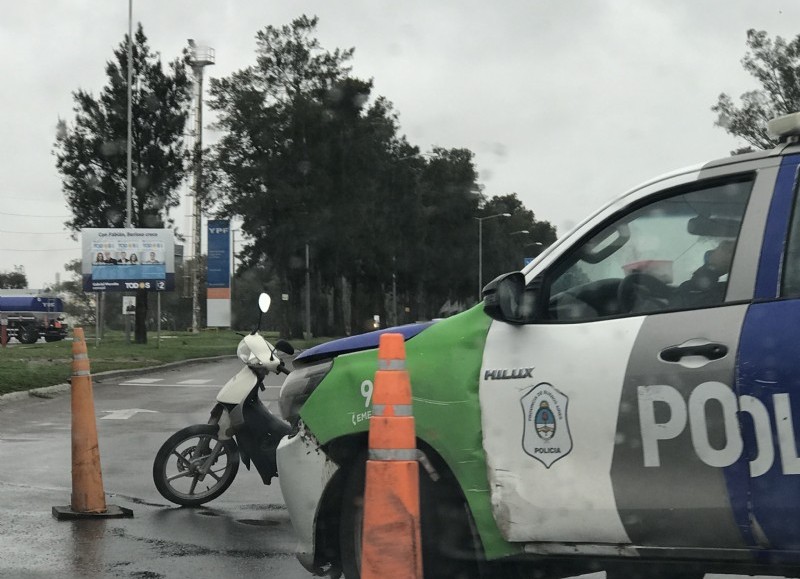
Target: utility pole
[[394, 290], [201, 56], [129, 188], [308, 295], [233, 262], [129, 206]]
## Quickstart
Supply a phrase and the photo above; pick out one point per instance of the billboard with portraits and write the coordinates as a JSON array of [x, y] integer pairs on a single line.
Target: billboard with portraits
[[128, 259]]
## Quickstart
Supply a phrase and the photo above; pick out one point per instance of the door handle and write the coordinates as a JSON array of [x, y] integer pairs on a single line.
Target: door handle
[[708, 350]]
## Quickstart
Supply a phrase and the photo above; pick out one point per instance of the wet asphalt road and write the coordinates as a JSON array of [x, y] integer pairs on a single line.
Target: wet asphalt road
[[245, 533]]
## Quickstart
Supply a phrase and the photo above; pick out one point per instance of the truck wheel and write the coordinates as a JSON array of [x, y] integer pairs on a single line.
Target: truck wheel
[[448, 545], [27, 334]]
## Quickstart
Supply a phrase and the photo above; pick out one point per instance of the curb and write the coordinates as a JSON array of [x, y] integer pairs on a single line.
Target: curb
[[151, 369], [53, 391]]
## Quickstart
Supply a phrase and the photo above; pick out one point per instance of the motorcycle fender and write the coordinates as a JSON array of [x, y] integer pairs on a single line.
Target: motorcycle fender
[[238, 387], [244, 457]]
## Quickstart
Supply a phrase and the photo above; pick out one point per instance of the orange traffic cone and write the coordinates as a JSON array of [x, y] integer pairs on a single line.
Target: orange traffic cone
[[391, 545], [88, 497]]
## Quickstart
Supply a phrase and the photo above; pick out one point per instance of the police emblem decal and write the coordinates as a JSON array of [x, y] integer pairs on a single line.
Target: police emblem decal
[[546, 434], [544, 421]]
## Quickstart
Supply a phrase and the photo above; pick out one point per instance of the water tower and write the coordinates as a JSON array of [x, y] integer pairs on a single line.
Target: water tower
[[200, 57]]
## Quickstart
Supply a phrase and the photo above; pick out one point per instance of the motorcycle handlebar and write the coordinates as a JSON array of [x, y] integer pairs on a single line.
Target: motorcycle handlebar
[[283, 369]]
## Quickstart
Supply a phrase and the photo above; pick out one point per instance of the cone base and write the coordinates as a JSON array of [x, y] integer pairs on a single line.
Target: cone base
[[112, 512]]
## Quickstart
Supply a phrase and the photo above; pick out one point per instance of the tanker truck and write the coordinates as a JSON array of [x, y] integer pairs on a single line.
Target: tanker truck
[[30, 317]]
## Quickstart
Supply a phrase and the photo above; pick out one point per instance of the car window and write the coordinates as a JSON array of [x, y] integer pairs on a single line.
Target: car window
[[673, 253], [790, 281]]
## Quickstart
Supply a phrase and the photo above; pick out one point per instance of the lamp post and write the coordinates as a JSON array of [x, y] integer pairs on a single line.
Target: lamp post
[[129, 148], [233, 262], [394, 290], [539, 248], [480, 247], [307, 332]]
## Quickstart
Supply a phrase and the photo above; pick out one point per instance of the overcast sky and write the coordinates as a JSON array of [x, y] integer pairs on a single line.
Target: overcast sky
[[566, 103]]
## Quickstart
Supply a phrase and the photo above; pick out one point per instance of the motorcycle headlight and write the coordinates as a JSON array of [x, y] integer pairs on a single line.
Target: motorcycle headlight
[[243, 352], [298, 387]]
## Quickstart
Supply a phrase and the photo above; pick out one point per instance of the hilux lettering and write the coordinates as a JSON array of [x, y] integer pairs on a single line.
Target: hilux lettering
[[508, 374]]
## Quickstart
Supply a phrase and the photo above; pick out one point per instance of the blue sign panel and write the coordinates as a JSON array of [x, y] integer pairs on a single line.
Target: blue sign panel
[[219, 253]]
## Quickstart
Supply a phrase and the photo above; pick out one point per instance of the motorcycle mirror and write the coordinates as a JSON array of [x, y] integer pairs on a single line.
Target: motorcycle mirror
[[284, 347], [264, 302]]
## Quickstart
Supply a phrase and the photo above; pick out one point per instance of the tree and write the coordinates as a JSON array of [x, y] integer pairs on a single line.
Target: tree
[[443, 250], [300, 154], [776, 66], [309, 157], [504, 246], [15, 279], [91, 152]]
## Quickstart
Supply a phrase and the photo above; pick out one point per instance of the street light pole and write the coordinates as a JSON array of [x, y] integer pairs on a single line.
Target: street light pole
[[308, 294], [233, 263], [129, 194], [480, 248], [480, 257], [394, 290], [129, 147]]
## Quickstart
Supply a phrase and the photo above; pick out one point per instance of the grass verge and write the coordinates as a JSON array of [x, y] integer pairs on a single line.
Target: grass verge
[[23, 367]]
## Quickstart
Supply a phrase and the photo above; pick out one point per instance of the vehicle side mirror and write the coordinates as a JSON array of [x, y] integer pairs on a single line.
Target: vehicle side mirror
[[503, 298]]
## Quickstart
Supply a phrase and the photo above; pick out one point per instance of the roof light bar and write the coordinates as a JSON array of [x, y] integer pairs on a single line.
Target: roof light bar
[[784, 126]]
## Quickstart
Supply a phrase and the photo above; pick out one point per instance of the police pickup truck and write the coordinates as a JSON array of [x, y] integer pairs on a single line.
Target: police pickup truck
[[625, 402]]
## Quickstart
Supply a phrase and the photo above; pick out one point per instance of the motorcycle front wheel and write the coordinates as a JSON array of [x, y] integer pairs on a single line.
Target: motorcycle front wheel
[[194, 467]]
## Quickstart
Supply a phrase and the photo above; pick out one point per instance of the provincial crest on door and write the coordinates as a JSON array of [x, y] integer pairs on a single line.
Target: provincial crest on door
[[546, 434]]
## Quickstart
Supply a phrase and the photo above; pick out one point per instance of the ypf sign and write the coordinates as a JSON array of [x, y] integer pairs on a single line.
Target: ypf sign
[[218, 299]]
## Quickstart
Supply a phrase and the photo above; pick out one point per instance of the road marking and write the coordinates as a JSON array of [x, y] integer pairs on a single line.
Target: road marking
[[160, 385], [124, 414], [146, 380], [182, 385], [194, 381]]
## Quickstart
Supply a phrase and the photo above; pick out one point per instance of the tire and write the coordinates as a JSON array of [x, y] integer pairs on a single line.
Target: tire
[[448, 543], [174, 468], [27, 334]]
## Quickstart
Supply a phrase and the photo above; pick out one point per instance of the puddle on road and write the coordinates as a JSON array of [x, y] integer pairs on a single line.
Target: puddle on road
[[263, 507]]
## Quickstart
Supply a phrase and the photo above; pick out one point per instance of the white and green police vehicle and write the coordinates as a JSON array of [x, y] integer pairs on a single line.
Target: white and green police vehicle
[[628, 398]]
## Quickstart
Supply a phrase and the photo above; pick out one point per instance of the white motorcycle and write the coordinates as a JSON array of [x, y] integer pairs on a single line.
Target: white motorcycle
[[198, 463]]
